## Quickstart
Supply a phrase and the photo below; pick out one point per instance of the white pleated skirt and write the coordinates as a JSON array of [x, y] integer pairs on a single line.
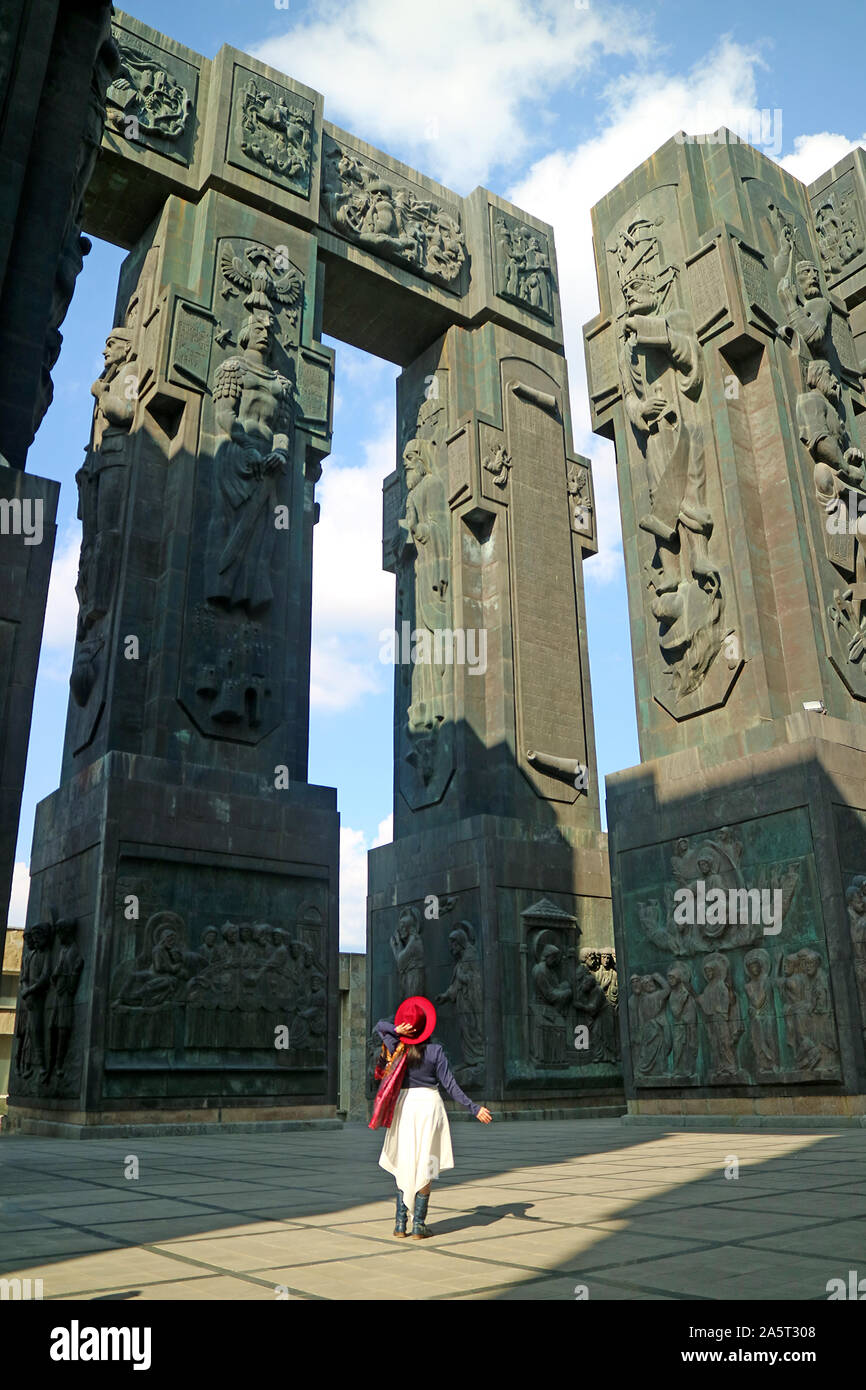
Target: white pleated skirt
[[418, 1145]]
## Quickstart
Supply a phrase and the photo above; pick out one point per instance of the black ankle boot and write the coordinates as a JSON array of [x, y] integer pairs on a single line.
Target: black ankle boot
[[419, 1230], [402, 1216]]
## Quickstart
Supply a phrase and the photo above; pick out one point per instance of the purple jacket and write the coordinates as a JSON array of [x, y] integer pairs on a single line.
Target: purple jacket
[[432, 1070]]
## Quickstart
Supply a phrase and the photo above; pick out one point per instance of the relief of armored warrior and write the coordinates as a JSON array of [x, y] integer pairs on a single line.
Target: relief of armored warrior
[[254, 407]]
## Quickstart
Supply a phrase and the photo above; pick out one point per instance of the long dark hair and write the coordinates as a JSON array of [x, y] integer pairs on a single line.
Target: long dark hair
[[415, 1054]]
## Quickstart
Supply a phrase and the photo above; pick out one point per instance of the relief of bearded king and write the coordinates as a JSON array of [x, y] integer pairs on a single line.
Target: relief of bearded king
[[662, 376]]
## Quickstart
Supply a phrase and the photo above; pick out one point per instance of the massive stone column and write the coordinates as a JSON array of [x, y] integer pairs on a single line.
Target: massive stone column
[[723, 366], [55, 62], [185, 868], [492, 900]]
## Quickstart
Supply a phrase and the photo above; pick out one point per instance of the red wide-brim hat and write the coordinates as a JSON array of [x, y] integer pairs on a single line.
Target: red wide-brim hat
[[408, 1012]]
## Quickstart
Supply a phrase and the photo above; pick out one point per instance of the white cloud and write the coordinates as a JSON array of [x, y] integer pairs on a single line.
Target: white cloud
[[422, 78], [338, 678], [385, 833], [20, 895], [353, 883], [643, 112], [815, 154], [61, 610], [353, 598]]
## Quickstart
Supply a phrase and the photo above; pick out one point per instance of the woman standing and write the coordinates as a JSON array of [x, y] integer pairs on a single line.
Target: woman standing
[[418, 1144]]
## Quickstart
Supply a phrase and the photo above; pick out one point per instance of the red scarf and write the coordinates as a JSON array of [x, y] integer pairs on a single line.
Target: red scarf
[[389, 1090]]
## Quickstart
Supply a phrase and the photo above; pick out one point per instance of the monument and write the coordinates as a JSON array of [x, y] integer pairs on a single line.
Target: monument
[[180, 964], [725, 367], [55, 63]]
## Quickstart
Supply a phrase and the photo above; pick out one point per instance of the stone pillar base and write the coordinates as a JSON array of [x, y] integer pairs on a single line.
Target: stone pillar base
[[520, 889], [757, 1013], [204, 919], [127, 1124]]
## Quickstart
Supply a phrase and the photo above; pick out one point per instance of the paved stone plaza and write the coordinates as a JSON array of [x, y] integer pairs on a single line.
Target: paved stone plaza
[[531, 1211]]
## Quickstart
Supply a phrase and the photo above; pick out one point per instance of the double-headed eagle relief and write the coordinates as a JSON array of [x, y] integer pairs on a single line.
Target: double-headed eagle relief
[[275, 133], [390, 218], [661, 366]]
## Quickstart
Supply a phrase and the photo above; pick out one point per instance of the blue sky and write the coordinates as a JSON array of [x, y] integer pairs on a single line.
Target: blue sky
[[549, 103]]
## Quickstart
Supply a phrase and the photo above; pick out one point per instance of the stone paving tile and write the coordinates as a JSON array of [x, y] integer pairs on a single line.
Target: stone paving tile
[[414, 1272], [715, 1223], [209, 1288], [106, 1269], [162, 1229], [293, 1245], [561, 1289], [835, 1203], [736, 1272], [841, 1240], [455, 1228], [12, 1221], [381, 1212], [61, 1240], [135, 1207], [529, 1211], [578, 1248]]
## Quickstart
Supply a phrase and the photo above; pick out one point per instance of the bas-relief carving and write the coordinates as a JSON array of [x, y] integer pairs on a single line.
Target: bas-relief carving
[[521, 258], [732, 1006], [839, 225], [422, 553], [233, 990], [408, 950], [573, 998], [661, 368], [466, 992], [103, 486], [824, 419], [232, 649], [145, 101], [378, 210], [45, 1061], [731, 1020], [417, 948], [855, 906], [273, 128], [498, 463], [579, 498]]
